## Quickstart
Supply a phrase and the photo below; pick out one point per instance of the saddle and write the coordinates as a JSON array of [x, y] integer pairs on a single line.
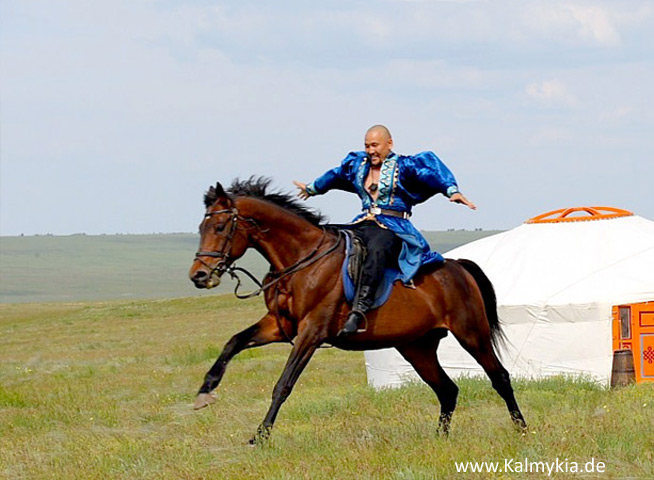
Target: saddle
[[355, 253]]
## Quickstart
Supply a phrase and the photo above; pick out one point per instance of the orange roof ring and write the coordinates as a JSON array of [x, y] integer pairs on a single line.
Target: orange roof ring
[[572, 214]]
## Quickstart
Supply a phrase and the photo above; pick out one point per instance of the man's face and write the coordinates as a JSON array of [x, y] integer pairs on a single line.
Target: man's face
[[378, 146]]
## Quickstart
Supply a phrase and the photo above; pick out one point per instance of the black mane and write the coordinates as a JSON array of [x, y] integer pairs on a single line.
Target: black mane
[[258, 187]]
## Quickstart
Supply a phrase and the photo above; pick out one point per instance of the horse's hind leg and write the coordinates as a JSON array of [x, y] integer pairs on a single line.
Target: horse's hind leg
[[421, 354], [482, 351], [261, 333]]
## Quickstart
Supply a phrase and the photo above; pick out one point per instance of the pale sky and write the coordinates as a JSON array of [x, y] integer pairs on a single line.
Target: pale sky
[[117, 115]]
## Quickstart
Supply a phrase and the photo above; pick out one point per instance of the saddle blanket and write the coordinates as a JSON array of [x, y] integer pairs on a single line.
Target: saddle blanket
[[385, 287]]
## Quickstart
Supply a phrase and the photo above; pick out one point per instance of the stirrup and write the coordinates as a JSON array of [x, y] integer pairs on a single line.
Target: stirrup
[[343, 332]]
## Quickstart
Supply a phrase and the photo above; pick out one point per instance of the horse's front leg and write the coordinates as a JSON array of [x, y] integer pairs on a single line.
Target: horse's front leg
[[306, 344], [263, 332]]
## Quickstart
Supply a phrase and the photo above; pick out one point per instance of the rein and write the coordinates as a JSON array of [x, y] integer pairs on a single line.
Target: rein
[[279, 275], [301, 264]]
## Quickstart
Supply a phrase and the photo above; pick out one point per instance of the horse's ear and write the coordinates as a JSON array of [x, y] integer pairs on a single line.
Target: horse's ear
[[220, 191], [213, 194]]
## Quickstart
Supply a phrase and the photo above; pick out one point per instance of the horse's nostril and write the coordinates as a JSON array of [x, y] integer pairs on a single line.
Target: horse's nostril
[[199, 275]]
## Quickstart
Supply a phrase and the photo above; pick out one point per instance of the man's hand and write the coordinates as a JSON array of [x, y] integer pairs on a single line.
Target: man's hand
[[460, 198], [303, 194]]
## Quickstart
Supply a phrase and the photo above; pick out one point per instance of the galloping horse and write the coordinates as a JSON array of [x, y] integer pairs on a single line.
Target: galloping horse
[[306, 303]]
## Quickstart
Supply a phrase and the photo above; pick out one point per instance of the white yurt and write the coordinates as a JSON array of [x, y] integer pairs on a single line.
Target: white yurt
[[573, 286]]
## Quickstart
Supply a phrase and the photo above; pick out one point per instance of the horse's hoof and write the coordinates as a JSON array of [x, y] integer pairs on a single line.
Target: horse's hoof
[[261, 437], [519, 422], [257, 439], [203, 400]]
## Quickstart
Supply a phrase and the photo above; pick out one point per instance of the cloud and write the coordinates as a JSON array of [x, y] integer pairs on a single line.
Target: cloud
[[595, 24], [599, 24], [618, 113], [152, 101], [551, 93]]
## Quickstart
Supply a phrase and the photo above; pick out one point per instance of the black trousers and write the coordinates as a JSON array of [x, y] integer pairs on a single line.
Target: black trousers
[[383, 247]]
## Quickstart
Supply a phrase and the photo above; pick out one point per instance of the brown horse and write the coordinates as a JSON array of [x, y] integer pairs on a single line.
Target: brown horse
[[306, 303]]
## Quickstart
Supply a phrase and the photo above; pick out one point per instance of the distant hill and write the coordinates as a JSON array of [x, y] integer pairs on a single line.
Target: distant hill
[[84, 267], [446, 241]]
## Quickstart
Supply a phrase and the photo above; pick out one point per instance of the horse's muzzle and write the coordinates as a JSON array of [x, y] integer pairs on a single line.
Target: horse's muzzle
[[202, 278]]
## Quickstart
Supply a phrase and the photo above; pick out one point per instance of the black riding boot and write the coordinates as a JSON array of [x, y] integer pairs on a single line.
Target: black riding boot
[[361, 307]]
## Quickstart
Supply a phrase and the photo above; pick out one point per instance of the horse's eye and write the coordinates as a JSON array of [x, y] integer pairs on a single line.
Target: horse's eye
[[220, 227]]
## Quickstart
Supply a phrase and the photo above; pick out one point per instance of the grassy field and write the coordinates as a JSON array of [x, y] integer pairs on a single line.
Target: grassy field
[[104, 267], [81, 267], [104, 390]]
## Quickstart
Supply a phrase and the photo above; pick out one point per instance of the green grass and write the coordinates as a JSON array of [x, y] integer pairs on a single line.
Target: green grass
[[105, 267], [104, 390]]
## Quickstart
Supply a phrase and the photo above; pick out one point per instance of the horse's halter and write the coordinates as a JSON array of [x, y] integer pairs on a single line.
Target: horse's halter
[[223, 264]]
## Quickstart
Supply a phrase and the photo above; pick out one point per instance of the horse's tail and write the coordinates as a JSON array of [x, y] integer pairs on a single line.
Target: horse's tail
[[490, 301]]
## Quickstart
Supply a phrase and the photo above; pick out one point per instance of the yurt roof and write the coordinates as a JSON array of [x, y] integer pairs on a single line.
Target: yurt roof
[[569, 256]]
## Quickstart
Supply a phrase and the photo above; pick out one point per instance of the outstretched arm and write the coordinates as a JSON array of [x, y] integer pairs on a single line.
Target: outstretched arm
[[427, 175], [339, 178], [303, 194], [460, 198]]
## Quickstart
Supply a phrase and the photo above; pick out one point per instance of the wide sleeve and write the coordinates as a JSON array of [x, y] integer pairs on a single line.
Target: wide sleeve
[[338, 178], [425, 175]]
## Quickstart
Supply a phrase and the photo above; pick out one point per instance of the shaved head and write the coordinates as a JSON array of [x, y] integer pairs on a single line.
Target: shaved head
[[378, 144], [381, 129]]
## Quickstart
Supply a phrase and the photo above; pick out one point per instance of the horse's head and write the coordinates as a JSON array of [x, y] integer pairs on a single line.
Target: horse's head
[[221, 239]]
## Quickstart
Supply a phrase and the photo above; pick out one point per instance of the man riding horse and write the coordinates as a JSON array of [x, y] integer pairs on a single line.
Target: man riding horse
[[389, 185]]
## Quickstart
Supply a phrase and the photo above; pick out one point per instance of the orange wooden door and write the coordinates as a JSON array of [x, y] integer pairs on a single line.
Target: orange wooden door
[[633, 329]]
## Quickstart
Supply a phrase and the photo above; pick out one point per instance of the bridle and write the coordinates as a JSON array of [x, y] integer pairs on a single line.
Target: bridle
[[223, 264]]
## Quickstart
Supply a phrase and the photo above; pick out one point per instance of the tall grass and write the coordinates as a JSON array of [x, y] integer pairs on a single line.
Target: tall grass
[[104, 390]]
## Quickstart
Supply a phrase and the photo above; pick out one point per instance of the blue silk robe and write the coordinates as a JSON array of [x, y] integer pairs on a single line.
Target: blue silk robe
[[404, 181]]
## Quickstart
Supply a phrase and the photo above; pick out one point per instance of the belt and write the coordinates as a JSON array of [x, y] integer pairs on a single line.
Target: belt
[[374, 211]]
